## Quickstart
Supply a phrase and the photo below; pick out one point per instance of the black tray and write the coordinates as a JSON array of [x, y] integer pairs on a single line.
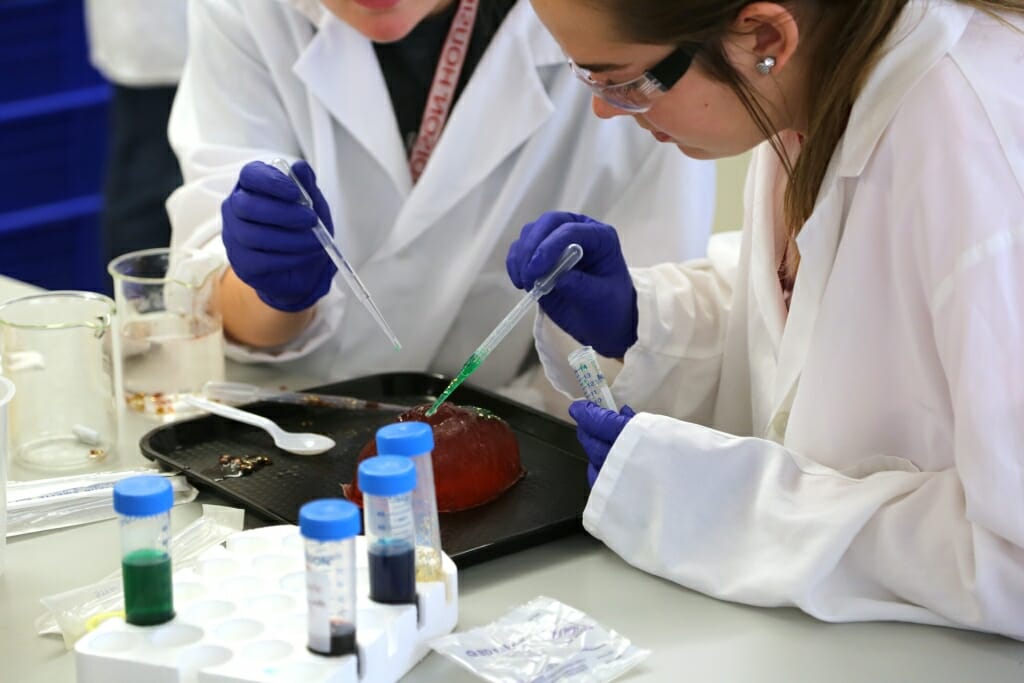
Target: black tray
[[546, 504]]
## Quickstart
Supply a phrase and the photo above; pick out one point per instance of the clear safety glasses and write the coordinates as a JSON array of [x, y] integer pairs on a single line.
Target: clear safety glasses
[[638, 95]]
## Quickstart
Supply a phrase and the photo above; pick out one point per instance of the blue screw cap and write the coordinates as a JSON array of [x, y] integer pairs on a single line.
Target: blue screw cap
[[329, 519], [405, 438], [143, 496], [387, 475]]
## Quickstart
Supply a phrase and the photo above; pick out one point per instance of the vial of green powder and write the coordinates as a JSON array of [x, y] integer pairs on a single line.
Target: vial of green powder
[[143, 505]]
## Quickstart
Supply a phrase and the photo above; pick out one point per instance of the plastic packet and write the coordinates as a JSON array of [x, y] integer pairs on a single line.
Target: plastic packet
[[75, 612], [60, 502], [542, 641]]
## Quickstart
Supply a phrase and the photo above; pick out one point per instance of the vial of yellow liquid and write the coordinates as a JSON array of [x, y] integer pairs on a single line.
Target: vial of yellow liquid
[[415, 440]]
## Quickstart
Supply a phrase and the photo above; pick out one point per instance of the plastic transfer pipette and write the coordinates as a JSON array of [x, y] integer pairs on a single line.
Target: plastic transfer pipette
[[569, 258], [345, 270], [239, 392]]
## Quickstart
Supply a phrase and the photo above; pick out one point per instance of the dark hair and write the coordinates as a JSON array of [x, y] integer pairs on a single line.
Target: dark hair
[[849, 35]]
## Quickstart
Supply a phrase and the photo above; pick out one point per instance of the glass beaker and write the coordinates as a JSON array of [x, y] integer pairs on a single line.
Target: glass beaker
[[6, 394], [169, 328], [57, 349]]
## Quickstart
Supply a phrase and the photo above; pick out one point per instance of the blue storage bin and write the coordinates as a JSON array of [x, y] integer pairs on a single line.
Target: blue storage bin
[[43, 48], [56, 246], [53, 148]]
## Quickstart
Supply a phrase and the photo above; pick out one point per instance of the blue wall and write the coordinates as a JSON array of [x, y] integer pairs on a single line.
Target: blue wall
[[53, 133]]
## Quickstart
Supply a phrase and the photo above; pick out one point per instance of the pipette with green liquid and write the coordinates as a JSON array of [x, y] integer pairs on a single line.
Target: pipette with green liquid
[[571, 255]]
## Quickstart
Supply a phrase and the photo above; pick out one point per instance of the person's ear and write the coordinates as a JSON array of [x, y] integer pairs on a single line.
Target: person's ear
[[769, 32]]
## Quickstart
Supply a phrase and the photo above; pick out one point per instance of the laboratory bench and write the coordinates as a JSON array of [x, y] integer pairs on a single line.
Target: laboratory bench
[[692, 637]]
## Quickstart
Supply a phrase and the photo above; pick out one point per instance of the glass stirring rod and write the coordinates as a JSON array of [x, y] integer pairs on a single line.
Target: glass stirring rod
[[345, 270], [571, 255]]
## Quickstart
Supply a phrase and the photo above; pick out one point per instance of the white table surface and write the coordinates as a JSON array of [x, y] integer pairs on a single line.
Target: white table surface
[[692, 637]]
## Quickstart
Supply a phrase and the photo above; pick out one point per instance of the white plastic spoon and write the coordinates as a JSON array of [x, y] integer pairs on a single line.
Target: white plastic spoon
[[300, 444]]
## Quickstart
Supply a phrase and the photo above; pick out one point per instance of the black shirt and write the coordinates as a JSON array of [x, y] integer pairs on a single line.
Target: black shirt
[[409, 63]]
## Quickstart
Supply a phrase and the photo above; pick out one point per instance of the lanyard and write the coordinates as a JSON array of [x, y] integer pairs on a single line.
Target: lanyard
[[442, 90]]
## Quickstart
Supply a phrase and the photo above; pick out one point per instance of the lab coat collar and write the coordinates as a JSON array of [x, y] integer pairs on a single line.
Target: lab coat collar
[[496, 113], [339, 68], [501, 108], [924, 32]]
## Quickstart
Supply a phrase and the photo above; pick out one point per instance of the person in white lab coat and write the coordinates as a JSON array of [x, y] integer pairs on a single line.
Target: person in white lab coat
[[342, 84], [139, 46], [855, 449]]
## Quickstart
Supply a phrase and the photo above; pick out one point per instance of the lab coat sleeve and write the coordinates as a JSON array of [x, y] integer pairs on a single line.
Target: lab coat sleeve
[[683, 315], [228, 112], [749, 520]]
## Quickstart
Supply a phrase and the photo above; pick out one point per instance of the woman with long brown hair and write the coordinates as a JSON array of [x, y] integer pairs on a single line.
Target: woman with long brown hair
[[836, 419]]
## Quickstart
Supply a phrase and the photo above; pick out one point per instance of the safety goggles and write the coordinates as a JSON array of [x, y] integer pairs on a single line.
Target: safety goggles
[[637, 95]]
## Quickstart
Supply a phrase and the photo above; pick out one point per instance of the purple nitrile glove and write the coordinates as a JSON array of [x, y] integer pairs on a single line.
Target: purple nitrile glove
[[595, 302], [597, 429], [269, 238]]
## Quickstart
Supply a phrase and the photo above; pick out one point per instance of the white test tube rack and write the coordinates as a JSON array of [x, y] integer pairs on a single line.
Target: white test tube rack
[[241, 618]]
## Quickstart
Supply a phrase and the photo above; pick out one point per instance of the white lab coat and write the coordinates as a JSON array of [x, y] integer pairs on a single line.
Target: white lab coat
[[866, 460], [137, 42], [269, 78]]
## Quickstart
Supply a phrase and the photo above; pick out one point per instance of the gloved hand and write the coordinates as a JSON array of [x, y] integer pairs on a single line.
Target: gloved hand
[[597, 428], [269, 238], [595, 302]]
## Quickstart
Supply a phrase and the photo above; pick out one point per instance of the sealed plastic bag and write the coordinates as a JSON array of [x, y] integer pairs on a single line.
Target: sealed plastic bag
[[542, 641], [75, 612], [59, 502]]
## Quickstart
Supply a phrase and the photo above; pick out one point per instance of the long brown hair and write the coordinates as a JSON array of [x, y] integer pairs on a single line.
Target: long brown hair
[[849, 35]]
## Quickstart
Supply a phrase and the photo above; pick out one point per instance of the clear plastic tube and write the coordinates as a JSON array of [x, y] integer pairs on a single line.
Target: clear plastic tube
[[143, 505], [387, 483], [329, 527], [427, 526], [239, 392]]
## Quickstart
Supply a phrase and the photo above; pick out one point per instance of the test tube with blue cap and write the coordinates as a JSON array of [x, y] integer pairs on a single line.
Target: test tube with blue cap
[[387, 482], [415, 440], [329, 527], [345, 270], [143, 506]]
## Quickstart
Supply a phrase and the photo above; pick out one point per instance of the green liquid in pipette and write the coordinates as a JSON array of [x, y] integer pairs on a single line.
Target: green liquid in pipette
[[468, 369]]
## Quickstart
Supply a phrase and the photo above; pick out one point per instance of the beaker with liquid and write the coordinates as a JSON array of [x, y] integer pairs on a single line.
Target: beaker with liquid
[[6, 394], [169, 328], [57, 349]]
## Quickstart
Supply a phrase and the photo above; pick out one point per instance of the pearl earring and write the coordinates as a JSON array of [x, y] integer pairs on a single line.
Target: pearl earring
[[765, 66]]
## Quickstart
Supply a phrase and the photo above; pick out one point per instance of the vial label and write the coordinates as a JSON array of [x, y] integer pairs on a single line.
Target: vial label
[[395, 521]]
